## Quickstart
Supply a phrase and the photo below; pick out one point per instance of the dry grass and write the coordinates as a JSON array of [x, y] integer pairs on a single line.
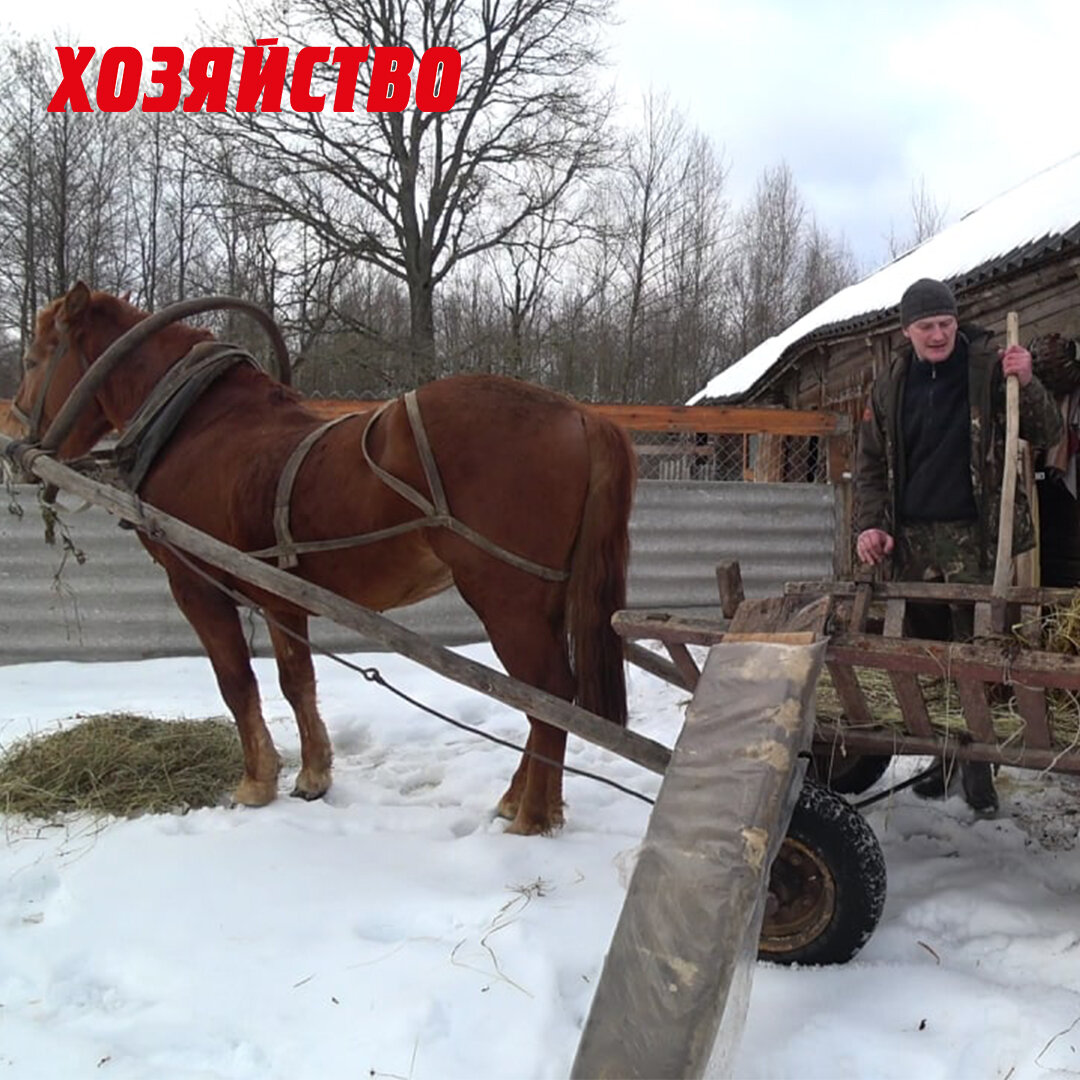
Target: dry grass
[[121, 764], [1059, 632]]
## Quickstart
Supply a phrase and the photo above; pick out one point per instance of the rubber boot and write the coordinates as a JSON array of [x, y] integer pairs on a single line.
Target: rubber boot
[[937, 784], [979, 791]]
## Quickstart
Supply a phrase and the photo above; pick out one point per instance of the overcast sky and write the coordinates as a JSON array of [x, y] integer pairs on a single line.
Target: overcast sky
[[863, 99]]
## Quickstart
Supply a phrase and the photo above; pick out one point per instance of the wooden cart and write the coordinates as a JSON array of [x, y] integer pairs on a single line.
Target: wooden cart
[[865, 622]]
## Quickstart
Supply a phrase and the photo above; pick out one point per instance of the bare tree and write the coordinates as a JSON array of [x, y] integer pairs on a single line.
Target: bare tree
[[417, 193], [927, 219], [785, 262]]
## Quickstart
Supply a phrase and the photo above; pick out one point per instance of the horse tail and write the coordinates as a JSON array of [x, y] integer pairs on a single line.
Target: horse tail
[[598, 570]]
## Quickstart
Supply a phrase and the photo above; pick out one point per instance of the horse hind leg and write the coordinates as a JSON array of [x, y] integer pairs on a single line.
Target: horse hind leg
[[533, 649], [296, 676], [215, 619]]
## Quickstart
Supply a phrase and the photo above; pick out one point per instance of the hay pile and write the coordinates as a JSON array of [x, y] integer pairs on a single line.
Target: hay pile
[[1059, 632], [123, 765]]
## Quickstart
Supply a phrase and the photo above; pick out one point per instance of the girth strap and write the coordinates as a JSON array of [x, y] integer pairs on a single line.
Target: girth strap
[[436, 510]]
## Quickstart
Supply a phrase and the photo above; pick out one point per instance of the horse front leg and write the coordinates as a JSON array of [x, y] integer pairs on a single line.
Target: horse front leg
[[296, 675], [214, 617]]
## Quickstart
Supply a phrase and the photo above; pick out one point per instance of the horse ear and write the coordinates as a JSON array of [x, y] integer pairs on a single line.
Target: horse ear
[[76, 302]]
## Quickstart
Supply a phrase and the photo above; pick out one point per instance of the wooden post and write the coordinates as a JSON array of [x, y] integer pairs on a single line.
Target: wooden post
[[1004, 565]]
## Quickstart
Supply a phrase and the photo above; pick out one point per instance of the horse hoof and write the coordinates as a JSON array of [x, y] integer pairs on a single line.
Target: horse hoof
[[506, 809], [311, 784], [308, 796], [255, 792], [523, 826]]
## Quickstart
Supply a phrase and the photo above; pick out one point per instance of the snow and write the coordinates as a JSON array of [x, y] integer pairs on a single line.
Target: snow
[[1045, 205], [394, 930]]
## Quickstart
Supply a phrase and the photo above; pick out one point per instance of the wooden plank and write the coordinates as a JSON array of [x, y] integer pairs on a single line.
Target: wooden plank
[[684, 662], [159, 525], [707, 419], [932, 590], [1030, 626], [983, 663], [848, 690], [891, 741], [976, 709], [730, 586], [654, 664], [665, 626], [672, 995], [860, 607], [765, 613], [999, 612], [775, 614], [1031, 704], [983, 621], [774, 637], [895, 610], [912, 703]]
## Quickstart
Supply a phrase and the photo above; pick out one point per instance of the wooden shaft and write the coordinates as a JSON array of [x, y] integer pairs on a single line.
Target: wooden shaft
[[1003, 566]]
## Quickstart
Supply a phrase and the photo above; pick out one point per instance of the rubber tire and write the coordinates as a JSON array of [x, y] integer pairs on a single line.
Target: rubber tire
[[851, 774], [837, 852]]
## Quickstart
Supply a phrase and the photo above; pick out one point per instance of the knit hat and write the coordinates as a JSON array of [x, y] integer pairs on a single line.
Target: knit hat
[[925, 299]]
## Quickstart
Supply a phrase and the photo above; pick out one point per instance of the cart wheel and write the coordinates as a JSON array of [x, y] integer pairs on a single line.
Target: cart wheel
[[849, 774], [826, 886]]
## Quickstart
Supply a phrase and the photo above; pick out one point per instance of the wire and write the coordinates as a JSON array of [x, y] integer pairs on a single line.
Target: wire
[[373, 675]]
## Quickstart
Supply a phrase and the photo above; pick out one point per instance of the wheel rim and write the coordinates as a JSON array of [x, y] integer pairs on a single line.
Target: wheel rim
[[801, 899]]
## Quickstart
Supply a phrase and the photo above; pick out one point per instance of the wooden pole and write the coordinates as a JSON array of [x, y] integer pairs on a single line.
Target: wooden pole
[[158, 525], [1003, 566]]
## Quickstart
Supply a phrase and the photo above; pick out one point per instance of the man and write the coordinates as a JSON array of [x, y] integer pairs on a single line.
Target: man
[[929, 471]]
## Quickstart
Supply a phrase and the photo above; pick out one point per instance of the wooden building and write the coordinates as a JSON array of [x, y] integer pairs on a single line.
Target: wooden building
[[1019, 252]]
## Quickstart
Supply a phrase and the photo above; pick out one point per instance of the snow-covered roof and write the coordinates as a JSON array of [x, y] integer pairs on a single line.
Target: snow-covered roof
[[1036, 215]]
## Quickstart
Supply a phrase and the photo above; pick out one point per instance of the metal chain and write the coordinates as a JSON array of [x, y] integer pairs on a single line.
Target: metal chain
[[372, 674]]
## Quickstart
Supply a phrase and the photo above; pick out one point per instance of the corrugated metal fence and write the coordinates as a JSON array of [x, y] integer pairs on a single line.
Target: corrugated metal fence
[[116, 605]]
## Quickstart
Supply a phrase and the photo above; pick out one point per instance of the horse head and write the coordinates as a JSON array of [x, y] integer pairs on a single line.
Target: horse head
[[65, 344]]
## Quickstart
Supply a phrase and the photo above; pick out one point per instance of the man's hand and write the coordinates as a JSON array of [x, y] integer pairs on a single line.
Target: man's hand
[[1016, 360], [873, 545]]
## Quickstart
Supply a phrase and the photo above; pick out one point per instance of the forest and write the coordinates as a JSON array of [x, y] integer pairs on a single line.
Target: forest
[[531, 230]]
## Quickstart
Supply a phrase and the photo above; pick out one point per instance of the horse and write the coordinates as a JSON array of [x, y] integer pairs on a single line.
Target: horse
[[535, 491]]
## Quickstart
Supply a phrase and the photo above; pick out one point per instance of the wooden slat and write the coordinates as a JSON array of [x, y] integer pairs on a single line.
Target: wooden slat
[[860, 606], [1030, 628], [890, 741], [1031, 704], [681, 658], [976, 709], [654, 664], [730, 586], [774, 637], [894, 617], [707, 419], [983, 621], [766, 613], [983, 663], [912, 702], [664, 626], [932, 590], [850, 694]]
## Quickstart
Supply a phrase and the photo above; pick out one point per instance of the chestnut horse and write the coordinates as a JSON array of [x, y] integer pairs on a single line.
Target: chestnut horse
[[538, 475]]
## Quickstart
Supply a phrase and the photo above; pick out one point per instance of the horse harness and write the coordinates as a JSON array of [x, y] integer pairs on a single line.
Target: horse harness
[[33, 421], [436, 510], [188, 379]]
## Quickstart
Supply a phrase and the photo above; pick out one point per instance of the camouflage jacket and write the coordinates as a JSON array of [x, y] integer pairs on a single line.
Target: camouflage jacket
[[879, 463]]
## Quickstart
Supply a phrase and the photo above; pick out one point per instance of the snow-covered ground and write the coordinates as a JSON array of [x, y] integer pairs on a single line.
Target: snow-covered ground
[[393, 930]]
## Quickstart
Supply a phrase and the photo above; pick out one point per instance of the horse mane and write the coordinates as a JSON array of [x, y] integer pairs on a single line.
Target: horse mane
[[125, 314]]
